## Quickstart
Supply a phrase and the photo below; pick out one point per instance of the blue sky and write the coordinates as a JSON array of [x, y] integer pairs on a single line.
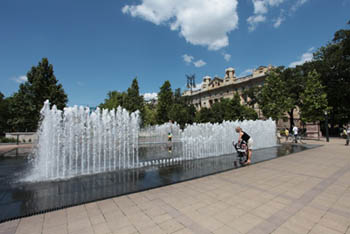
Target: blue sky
[[98, 46]]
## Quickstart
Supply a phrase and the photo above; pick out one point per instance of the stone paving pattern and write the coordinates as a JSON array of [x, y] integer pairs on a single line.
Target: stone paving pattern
[[307, 192]]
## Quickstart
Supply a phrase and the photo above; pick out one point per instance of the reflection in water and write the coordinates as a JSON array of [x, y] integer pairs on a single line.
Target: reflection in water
[[23, 198]]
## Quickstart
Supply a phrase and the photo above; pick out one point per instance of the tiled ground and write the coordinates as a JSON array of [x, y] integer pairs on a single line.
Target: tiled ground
[[307, 192]]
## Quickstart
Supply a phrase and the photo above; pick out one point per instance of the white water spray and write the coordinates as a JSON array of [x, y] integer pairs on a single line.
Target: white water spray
[[78, 141]]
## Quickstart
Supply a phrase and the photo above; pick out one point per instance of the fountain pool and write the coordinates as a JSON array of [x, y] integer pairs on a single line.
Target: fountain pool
[[84, 156]]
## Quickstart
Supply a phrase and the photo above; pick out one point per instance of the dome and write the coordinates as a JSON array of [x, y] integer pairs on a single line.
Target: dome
[[229, 69]]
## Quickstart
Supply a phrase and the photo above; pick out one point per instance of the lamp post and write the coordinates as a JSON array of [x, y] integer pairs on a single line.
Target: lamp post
[[191, 82], [326, 125]]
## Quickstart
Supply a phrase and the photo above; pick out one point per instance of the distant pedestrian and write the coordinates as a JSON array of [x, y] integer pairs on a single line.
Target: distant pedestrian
[[347, 134], [286, 133], [170, 137], [295, 133]]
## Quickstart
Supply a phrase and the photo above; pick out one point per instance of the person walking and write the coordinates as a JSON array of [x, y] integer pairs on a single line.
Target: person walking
[[347, 134], [286, 133], [295, 133]]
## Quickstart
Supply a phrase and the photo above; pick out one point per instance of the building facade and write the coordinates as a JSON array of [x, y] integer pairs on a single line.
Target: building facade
[[213, 89]]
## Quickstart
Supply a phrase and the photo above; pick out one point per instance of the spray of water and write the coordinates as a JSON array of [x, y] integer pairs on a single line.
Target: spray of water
[[78, 141]]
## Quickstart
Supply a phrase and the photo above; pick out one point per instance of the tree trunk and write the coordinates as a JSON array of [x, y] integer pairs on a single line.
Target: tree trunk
[[291, 119]]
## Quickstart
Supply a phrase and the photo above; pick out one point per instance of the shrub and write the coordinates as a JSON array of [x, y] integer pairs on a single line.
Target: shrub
[[7, 140]]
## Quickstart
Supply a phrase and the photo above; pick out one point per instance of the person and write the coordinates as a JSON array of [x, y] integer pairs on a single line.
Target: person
[[295, 133], [245, 137], [170, 137], [348, 135], [286, 132]]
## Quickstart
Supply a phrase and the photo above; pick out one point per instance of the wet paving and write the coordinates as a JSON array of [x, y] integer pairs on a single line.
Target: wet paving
[[19, 199]]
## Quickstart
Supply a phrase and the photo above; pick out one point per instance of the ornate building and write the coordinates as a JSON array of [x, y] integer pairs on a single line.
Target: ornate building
[[212, 90]]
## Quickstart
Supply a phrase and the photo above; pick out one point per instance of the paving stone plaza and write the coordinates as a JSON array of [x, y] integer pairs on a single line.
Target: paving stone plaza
[[306, 192]]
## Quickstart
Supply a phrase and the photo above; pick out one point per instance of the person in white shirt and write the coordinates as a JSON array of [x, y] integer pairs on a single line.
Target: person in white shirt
[[295, 133]]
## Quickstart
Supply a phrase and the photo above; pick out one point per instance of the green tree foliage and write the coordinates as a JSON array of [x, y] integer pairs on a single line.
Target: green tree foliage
[[252, 95], [313, 99], [113, 100], [204, 115], [285, 90], [274, 99], [226, 109], [165, 102], [181, 112], [130, 100], [332, 62], [249, 113], [25, 105], [134, 101], [4, 114], [150, 115]]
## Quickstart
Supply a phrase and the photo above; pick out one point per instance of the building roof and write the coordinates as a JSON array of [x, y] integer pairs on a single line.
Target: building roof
[[216, 78]]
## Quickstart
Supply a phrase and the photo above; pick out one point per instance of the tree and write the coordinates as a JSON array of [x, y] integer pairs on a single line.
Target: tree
[[220, 110], [274, 99], [130, 100], [226, 109], [4, 114], [252, 95], [25, 105], [134, 101], [180, 111], [113, 100], [313, 99], [332, 62], [165, 102], [249, 113], [204, 115], [150, 115]]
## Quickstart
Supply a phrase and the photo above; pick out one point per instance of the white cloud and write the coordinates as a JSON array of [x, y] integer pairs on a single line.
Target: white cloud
[[20, 79], [298, 4], [246, 72], [279, 20], [253, 21], [200, 22], [199, 63], [261, 8], [227, 57], [150, 96], [187, 58], [306, 57]]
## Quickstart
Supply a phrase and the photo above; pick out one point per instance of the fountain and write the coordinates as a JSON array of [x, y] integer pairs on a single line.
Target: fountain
[[78, 141], [83, 156]]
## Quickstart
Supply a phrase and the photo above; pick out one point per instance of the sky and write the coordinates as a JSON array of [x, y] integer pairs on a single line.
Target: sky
[[100, 46]]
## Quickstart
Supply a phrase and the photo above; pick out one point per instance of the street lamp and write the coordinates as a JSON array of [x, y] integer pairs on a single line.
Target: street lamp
[[326, 125]]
